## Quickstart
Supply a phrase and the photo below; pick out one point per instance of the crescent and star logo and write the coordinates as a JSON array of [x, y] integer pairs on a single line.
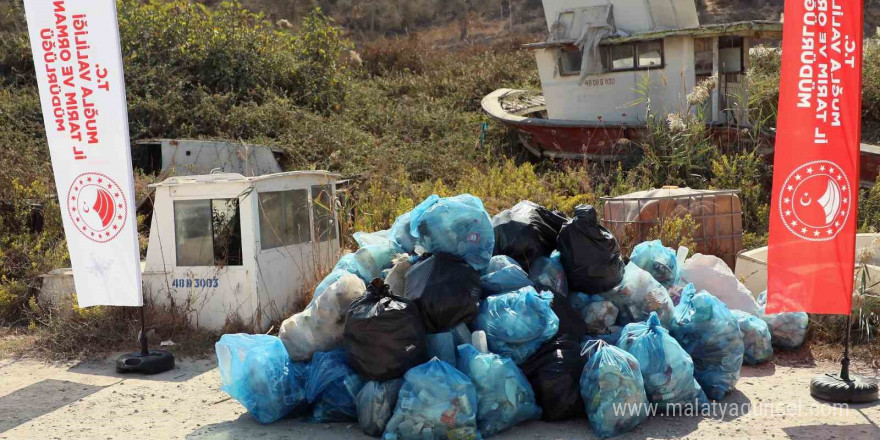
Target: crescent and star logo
[[97, 206], [816, 201]]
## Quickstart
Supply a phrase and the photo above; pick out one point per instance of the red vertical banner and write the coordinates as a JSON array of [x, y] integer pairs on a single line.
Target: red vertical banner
[[811, 256]]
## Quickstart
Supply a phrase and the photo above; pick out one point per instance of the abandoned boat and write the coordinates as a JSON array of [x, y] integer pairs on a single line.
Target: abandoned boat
[[604, 61]]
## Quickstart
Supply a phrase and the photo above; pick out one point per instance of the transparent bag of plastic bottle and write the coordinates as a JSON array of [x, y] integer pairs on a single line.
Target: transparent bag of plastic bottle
[[612, 380], [332, 387], [638, 295], [256, 371], [787, 330], [503, 274], [504, 395], [667, 369], [598, 313], [517, 323], [436, 401], [547, 274], [756, 337], [456, 225], [707, 330], [658, 260]]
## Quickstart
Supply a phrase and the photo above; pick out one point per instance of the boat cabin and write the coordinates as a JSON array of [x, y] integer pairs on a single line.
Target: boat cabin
[[232, 248], [604, 60]]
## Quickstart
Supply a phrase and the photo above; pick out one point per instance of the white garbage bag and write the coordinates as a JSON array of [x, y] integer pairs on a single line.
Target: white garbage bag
[[319, 327], [710, 273]]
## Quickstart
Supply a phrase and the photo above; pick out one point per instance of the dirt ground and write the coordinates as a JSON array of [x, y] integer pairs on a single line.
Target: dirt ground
[[90, 401]]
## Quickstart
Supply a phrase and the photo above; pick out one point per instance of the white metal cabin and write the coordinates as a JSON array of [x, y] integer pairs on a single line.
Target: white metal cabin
[[636, 41], [230, 247]]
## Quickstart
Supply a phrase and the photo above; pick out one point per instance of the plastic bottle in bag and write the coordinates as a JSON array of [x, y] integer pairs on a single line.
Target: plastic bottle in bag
[[707, 330], [455, 225], [667, 369], [503, 275], [598, 313], [517, 323], [638, 295], [504, 396], [756, 338], [332, 387], [547, 274], [611, 380], [436, 401], [787, 330], [256, 371], [375, 403], [658, 260]]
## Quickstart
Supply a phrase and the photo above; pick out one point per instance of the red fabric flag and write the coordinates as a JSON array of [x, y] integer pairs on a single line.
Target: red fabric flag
[[811, 256]]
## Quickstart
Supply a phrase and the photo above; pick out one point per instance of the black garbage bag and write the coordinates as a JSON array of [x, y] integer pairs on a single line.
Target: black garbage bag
[[570, 321], [554, 372], [590, 254], [384, 335], [526, 231], [445, 288]]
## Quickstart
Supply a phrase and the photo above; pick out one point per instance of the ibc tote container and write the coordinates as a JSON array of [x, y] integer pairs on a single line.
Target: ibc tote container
[[717, 213]]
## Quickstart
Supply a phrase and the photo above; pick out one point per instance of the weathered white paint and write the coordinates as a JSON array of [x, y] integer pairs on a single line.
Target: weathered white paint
[[266, 284], [620, 96], [184, 157]]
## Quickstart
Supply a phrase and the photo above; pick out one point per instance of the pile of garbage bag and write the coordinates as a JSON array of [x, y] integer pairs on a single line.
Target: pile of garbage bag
[[787, 330], [517, 323], [375, 404], [554, 372], [332, 387], [384, 336], [320, 326], [446, 290], [454, 325], [436, 401], [658, 260], [667, 369], [598, 314], [611, 380], [589, 253], [504, 396], [756, 337], [256, 371], [638, 295], [526, 231], [503, 275], [706, 329]]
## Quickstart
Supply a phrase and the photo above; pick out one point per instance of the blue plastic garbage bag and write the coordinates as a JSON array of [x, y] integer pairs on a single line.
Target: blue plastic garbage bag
[[547, 274], [504, 395], [332, 387], [368, 262], [667, 369], [256, 371], [658, 260], [503, 274], [707, 330], [787, 330], [375, 403], [517, 323], [638, 295], [756, 337], [457, 225], [436, 401], [372, 238], [598, 313], [610, 381], [399, 235]]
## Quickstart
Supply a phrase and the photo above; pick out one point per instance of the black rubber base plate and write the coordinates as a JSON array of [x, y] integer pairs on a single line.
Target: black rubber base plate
[[153, 363], [831, 388]]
